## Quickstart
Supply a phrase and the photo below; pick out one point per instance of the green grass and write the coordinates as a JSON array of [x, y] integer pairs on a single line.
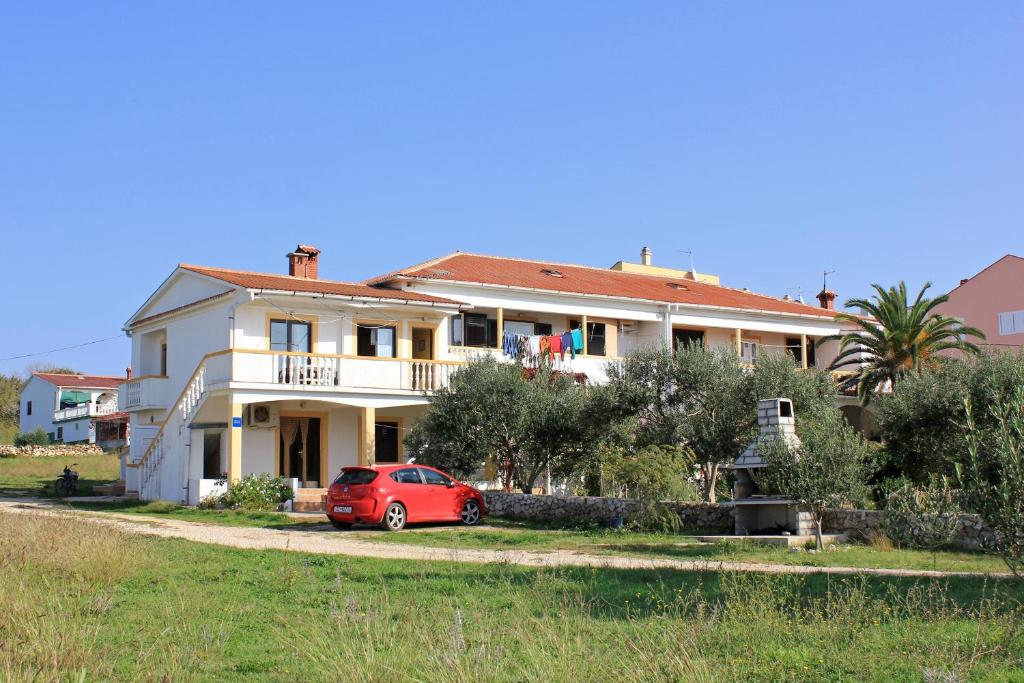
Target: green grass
[[90, 603], [25, 476], [273, 520]]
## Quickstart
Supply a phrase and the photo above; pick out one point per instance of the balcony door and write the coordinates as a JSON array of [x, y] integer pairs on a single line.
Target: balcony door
[[292, 336]]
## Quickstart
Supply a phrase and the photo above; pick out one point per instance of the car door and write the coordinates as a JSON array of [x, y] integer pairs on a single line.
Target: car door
[[413, 493], [443, 503]]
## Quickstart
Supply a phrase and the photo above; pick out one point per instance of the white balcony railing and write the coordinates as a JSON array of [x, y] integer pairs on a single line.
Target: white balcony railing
[[84, 410], [143, 393]]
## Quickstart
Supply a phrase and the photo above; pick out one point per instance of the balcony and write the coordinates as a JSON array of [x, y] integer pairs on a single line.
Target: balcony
[[594, 367], [326, 372], [143, 393], [84, 410]]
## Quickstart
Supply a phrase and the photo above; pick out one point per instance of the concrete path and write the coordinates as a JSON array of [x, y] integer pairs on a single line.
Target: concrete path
[[330, 542]]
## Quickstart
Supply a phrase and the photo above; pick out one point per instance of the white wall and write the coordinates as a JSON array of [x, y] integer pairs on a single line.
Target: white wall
[[44, 402]]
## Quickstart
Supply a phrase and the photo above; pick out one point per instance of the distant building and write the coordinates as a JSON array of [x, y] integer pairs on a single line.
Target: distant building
[[74, 408], [992, 301]]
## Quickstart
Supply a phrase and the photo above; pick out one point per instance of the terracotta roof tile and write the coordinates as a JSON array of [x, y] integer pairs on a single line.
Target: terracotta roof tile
[[250, 280], [80, 381], [557, 277]]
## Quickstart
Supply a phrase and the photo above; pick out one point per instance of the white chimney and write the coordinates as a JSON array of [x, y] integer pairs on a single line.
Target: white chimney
[[645, 256]]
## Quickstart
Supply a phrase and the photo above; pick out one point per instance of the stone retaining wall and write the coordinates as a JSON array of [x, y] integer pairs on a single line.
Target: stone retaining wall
[[702, 516], [857, 524], [50, 451]]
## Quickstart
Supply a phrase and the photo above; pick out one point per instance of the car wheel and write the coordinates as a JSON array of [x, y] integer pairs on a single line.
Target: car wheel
[[470, 513], [394, 517], [341, 525]]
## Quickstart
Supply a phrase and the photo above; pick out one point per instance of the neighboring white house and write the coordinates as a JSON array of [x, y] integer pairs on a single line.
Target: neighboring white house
[[236, 372], [72, 408]]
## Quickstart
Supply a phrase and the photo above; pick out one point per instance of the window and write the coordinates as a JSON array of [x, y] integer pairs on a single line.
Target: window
[[435, 478], [527, 328], [28, 408], [748, 351], [595, 339], [1011, 322], [358, 477], [60, 433], [163, 359], [410, 475], [684, 338], [479, 331], [457, 338], [291, 335], [376, 341], [385, 439]]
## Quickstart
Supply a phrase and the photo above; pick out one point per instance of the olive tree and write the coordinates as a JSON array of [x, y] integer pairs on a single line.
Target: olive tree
[[827, 468]]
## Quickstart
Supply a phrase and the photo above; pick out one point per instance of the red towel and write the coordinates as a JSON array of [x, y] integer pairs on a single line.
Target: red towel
[[555, 346]]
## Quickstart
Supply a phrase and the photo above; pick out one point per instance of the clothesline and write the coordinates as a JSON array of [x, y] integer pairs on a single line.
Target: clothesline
[[533, 347]]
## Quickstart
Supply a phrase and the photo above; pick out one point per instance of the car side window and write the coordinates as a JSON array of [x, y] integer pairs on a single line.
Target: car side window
[[407, 476], [435, 478]]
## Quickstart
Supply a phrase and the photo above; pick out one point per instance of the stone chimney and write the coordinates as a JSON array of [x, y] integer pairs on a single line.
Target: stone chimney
[[827, 299], [303, 262], [964, 281], [645, 256]]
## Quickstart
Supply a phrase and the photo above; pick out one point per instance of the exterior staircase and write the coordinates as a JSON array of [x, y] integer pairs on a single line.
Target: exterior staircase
[[310, 500]]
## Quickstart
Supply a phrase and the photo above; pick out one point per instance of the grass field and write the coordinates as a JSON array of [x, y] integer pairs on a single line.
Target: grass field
[[36, 476], [83, 602]]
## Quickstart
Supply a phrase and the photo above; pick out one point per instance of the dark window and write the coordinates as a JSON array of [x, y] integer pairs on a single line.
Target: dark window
[[595, 339], [385, 442], [376, 341], [163, 359], [542, 328], [28, 408], [60, 433], [359, 477], [687, 338], [795, 348], [410, 475], [211, 455], [291, 335], [435, 478], [810, 353], [475, 326]]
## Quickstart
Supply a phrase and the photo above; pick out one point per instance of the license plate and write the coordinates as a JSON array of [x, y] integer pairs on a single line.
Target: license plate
[[345, 509]]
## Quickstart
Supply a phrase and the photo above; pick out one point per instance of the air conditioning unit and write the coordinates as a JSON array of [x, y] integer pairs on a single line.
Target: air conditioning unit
[[628, 326], [262, 416]]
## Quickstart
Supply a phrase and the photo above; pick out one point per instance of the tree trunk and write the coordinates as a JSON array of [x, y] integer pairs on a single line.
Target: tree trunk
[[817, 530], [711, 481]]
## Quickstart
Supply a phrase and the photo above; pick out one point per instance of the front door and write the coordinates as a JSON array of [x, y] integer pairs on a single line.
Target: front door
[[422, 343], [299, 450], [386, 441]]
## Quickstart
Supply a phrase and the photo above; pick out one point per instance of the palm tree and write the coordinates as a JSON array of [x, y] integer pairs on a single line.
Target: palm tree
[[897, 339]]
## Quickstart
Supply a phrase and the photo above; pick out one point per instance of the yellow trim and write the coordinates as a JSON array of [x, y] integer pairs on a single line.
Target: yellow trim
[[324, 455], [234, 444], [803, 351], [435, 331], [314, 327], [399, 329], [366, 444]]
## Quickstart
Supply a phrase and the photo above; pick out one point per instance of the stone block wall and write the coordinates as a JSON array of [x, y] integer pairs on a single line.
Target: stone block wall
[[860, 524], [702, 516], [50, 451]]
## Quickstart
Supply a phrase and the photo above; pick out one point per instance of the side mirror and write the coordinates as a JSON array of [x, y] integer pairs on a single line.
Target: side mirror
[[449, 483]]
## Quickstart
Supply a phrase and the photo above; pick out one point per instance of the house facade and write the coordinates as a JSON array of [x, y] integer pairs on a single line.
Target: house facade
[[235, 372], [992, 301], [73, 408]]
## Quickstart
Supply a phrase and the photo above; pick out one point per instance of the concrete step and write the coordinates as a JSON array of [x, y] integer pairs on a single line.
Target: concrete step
[[308, 506], [115, 489]]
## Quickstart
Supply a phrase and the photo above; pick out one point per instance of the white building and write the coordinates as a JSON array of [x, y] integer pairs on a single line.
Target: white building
[[236, 372], [71, 408]]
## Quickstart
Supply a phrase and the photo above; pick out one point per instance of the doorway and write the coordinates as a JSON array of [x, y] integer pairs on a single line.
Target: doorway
[[386, 436], [423, 343], [300, 449], [212, 468]]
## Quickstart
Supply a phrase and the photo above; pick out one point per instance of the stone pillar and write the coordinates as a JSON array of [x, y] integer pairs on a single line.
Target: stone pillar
[[367, 436], [234, 441]]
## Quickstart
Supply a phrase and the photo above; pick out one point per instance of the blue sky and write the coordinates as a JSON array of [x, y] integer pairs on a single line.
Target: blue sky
[[775, 140]]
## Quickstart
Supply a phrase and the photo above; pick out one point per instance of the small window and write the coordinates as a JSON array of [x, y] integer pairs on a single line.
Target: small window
[[457, 339], [410, 475], [479, 331], [677, 285], [60, 433], [356, 477], [1011, 322], [28, 407], [551, 272], [595, 339], [434, 478], [376, 341], [163, 359]]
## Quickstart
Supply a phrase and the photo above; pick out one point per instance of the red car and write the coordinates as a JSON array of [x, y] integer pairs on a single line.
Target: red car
[[392, 495]]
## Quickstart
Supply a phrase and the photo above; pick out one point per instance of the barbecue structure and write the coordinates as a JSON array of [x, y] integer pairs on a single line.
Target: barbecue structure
[[756, 513]]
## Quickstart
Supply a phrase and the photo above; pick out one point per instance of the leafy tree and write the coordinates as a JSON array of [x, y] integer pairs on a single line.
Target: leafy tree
[[653, 475], [994, 477], [903, 337], [706, 401], [924, 420], [526, 424], [10, 392], [827, 469], [37, 437], [926, 517]]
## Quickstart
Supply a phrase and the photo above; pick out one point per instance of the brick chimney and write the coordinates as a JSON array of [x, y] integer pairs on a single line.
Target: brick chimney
[[303, 262], [827, 299], [645, 256]]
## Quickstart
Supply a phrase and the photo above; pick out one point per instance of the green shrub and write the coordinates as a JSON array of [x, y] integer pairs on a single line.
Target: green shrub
[[37, 437], [925, 517], [259, 492]]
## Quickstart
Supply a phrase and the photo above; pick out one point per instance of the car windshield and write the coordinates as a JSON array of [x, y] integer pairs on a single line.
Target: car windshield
[[356, 476]]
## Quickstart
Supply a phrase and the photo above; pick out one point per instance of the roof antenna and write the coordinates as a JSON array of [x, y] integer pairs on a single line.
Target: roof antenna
[[824, 279], [799, 292], [690, 253]]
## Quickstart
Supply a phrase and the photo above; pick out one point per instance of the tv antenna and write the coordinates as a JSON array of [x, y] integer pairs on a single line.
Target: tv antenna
[[689, 252], [824, 279], [799, 292]]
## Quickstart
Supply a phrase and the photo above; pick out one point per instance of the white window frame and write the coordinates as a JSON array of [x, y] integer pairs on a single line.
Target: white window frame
[[748, 351], [1011, 322]]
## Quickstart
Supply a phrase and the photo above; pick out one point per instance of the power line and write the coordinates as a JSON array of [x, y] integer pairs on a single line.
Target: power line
[[63, 348]]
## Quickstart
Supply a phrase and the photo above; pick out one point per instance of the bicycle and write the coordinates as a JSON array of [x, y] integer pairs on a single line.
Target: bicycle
[[68, 481]]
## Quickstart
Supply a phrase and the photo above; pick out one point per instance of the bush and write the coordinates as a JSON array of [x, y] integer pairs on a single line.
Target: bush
[[257, 492], [653, 475], [925, 517], [37, 437]]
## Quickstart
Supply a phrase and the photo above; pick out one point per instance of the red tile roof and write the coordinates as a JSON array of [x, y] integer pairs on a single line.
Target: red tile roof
[[557, 277], [80, 381], [287, 283]]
